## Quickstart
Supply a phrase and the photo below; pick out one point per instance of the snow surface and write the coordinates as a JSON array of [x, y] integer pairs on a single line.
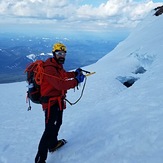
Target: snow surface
[[111, 123]]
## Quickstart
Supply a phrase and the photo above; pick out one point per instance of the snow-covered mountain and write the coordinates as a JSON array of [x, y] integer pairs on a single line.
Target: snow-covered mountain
[[18, 50], [112, 122]]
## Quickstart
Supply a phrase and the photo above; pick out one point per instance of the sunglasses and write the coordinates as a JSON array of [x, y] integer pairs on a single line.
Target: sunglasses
[[61, 53]]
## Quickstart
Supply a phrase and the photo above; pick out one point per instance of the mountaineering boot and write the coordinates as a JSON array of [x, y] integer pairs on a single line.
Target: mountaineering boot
[[59, 144]]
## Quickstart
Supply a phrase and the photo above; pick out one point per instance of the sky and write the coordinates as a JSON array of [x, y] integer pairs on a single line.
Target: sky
[[111, 123], [75, 15]]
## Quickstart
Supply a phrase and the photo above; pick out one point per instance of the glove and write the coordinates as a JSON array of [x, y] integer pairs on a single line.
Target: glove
[[80, 77], [78, 71]]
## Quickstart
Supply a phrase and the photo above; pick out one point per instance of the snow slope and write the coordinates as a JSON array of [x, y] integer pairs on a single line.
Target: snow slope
[[112, 123]]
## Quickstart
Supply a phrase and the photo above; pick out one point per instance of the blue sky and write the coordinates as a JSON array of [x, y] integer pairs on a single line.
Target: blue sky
[[75, 15], [93, 2]]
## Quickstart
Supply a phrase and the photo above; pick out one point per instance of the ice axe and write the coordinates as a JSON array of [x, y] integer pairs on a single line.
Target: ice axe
[[88, 73]]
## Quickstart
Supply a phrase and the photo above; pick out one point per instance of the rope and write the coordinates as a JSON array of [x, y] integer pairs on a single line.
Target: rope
[[39, 73], [73, 103]]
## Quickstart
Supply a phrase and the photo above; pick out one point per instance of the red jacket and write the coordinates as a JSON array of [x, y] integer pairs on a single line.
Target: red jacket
[[56, 81]]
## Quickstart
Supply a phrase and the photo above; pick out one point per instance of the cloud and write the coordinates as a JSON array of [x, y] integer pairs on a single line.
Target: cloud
[[117, 11], [113, 13]]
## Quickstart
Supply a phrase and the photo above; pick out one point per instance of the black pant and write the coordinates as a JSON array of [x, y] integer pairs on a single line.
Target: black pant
[[49, 137]]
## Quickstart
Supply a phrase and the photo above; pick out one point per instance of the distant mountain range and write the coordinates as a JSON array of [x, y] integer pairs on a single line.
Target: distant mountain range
[[17, 51]]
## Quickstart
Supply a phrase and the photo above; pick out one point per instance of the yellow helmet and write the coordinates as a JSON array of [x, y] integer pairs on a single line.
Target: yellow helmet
[[59, 47]]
